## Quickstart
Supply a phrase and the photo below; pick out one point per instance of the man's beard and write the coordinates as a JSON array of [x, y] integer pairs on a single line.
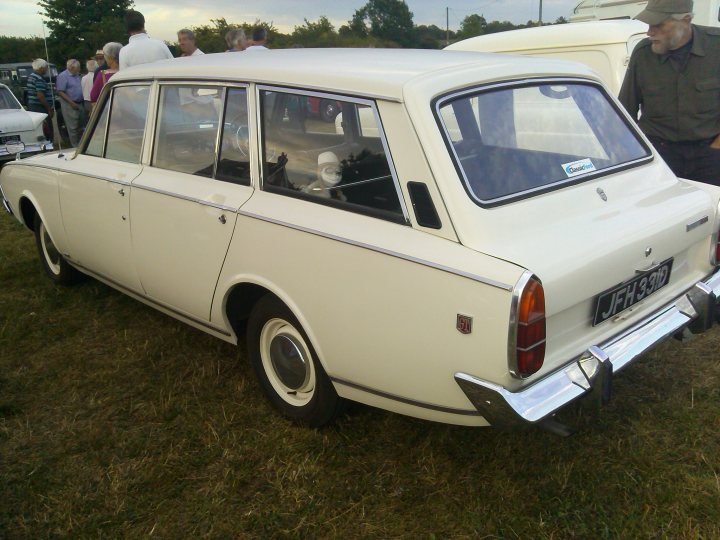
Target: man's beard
[[673, 42]]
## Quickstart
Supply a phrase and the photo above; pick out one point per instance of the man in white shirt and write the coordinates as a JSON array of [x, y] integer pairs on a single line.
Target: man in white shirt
[[86, 83], [141, 48], [259, 39], [186, 41]]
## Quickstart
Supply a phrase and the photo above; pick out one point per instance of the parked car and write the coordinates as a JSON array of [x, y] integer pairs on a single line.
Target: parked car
[[20, 126], [326, 109], [604, 46], [500, 244], [15, 76]]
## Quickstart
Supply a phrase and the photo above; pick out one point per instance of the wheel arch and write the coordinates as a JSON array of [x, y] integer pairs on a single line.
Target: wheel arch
[[242, 297], [28, 210]]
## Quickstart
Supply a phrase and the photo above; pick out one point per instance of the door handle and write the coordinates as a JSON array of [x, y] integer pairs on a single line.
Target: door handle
[[121, 191], [222, 219]]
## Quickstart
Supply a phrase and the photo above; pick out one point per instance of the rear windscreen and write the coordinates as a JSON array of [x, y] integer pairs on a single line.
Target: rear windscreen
[[511, 141]]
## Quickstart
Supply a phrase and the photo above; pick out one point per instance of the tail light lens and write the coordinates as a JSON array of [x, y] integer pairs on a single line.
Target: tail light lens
[[527, 347]]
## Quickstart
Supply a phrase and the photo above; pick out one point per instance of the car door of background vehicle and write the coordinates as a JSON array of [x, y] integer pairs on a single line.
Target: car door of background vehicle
[[184, 205], [95, 188]]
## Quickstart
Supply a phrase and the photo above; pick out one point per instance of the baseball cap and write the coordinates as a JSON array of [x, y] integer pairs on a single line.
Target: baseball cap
[[657, 11]]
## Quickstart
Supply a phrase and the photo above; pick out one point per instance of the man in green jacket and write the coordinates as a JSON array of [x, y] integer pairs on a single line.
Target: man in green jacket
[[673, 81]]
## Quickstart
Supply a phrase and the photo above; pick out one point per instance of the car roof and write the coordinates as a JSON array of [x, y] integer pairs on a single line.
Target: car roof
[[555, 36], [383, 73]]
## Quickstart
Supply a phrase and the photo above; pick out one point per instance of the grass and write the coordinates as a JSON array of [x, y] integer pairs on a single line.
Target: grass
[[118, 421]]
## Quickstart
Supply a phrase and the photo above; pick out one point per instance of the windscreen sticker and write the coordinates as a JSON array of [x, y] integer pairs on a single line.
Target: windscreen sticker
[[581, 166]]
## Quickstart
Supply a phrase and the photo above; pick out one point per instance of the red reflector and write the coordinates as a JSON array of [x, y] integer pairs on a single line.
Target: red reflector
[[531, 361], [531, 334]]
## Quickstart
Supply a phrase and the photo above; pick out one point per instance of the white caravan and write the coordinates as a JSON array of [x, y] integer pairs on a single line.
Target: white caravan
[[707, 12]]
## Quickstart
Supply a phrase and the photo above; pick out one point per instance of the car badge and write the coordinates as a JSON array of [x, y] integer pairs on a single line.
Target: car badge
[[602, 194], [648, 251], [464, 324]]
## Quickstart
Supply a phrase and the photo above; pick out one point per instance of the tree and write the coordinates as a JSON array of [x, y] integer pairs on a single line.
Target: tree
[[79, 27], [388, 20], [471, 26], [316, 34], [431, 37]]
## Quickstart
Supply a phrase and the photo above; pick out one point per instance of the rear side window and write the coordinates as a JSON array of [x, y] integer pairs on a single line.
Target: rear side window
[[338, 161], [511, 142], [187, 130]]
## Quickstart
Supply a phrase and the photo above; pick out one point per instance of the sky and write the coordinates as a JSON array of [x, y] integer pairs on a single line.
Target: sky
[[164, 17]]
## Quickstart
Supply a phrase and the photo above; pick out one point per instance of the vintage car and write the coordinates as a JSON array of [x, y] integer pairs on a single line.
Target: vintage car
[[24, 130], [497, 244]]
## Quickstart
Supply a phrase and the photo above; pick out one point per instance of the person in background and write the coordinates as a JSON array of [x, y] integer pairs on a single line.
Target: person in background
[[186, 41], [235, 39], [39, 98], [112, 53], [259, 39], [101, 64], [87, 82], [141, 48], [672, 81], [69, 88]]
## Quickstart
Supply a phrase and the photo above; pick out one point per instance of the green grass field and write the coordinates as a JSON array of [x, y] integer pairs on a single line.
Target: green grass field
[[118, 421]]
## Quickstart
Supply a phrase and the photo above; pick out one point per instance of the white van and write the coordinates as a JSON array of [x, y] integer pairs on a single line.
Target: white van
[[707, 12], [604, 46]]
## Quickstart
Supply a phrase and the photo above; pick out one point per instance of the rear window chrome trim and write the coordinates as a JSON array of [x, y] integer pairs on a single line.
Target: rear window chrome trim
[[439, 101]]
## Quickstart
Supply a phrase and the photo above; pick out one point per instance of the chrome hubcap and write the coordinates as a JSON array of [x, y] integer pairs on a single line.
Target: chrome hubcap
[[52, 255]]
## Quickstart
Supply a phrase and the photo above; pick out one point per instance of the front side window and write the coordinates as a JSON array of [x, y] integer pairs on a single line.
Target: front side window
[[512, 141], [341, 163], [126, 126]]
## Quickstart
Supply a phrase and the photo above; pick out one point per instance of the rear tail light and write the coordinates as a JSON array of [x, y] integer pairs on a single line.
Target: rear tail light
[[527, 335]]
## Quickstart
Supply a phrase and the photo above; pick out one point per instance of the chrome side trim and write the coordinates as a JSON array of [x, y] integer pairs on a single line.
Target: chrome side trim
[[414, 403], [70, 171], [590, 373], [423, 262], [184, 197], [148, 300]]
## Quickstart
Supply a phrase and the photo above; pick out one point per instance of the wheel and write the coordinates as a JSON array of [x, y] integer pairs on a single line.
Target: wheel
[[328, 110], [53, 262], [287, 367]]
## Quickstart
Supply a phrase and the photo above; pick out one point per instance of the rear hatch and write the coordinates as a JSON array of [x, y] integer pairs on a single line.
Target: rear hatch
[[570, 191]]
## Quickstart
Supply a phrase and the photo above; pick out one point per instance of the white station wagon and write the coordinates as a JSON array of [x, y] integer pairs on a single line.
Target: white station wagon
[[483, 241]]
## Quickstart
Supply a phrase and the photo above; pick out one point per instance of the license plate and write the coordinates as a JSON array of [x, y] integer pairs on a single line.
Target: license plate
[[613, 301], [9, 138]]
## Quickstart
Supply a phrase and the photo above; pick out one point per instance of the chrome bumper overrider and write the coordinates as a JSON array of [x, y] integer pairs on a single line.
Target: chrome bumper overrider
[[592, 372]]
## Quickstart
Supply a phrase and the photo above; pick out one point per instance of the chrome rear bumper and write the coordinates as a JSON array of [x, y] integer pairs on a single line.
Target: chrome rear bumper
[[592, 372]]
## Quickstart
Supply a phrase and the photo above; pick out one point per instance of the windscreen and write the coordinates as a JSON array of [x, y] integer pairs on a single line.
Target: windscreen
[[511, 141]]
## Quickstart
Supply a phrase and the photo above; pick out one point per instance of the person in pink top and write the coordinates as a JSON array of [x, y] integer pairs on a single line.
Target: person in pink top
[[112, 54]]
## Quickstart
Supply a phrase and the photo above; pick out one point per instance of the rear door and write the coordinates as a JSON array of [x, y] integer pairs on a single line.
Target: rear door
[[184, 204]]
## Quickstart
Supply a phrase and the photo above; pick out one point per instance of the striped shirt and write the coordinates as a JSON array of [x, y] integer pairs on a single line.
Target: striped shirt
[[36, 83]]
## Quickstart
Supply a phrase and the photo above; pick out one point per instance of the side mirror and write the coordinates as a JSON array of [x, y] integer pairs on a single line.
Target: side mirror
[[15, 147]]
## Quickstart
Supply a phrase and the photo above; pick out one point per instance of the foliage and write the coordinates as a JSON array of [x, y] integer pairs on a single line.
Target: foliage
[[388, 20], [79, 27], [20, 49], [471, 26]]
